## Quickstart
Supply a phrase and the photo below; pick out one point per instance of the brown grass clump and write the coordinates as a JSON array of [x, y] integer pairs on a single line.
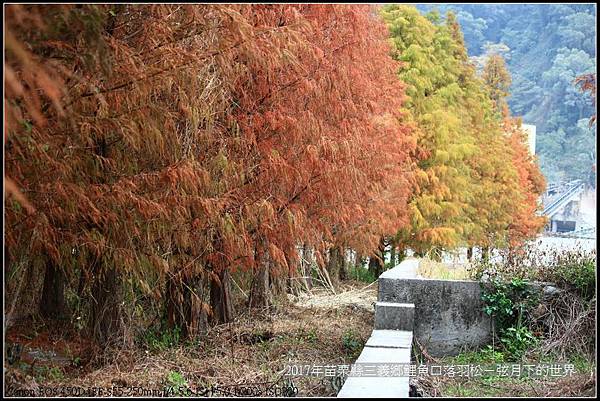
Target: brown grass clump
[[429, 268]]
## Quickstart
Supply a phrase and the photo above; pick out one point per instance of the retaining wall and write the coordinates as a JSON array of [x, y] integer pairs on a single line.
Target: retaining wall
[[444, 316], [448, 314]]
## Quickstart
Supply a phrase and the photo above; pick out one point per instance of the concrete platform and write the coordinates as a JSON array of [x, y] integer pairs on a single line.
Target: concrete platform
[[384, 355]]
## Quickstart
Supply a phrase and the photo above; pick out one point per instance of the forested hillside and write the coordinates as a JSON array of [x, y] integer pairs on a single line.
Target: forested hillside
[[546, 48]]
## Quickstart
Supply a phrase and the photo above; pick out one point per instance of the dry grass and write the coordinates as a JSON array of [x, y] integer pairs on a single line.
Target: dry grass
[[569, 325], [429, 268], [255, 348], [353, 293]]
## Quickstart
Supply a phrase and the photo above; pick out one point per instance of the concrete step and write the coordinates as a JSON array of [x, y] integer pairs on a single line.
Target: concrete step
[[394, 316], [372, 382], [384, 355], [390, 339], [375, 387]]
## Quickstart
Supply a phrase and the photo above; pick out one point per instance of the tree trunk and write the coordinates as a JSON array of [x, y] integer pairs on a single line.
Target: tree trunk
[[260, 293], [220, 297], [485, 253], [307, 264], [401, 255], [185, 306], [334, 265], [52, 303], [195, 307], [375, 266], [7, 265], [510, 256], [382, 252], [106, 317], [344, 265], [277, 282], [420, 254], [376, 261], [359, 260], [393, 255], [470, 253], [295, 283]]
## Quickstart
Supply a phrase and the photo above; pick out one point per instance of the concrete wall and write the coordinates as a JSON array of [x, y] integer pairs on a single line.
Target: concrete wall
[[448, 314]]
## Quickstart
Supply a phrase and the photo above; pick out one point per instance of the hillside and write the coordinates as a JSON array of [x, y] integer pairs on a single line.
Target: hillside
[[546, 47]]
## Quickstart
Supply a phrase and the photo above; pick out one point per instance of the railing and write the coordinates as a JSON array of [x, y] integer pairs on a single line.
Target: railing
[[574, 188]]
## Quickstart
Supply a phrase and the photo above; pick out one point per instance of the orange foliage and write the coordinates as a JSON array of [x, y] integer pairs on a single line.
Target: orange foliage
[[334, 155], [526, 222], [167, 140]]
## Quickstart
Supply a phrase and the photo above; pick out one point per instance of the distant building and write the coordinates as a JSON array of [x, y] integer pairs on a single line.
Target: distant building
[[530, 129], [562, 204]]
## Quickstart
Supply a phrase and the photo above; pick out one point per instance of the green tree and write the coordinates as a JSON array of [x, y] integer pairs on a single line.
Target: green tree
[[431, 67], [497, 79], [467, 186]]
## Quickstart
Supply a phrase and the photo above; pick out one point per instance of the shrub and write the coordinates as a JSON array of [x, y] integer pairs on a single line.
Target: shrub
[[361, 274], [175, 382], [509, 303], [352, 342], [162, 339], [516, 341], [575, 271]]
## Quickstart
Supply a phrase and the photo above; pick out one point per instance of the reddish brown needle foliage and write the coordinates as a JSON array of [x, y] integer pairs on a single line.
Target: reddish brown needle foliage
[[172, 143], [327, 130], [527, 221]]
